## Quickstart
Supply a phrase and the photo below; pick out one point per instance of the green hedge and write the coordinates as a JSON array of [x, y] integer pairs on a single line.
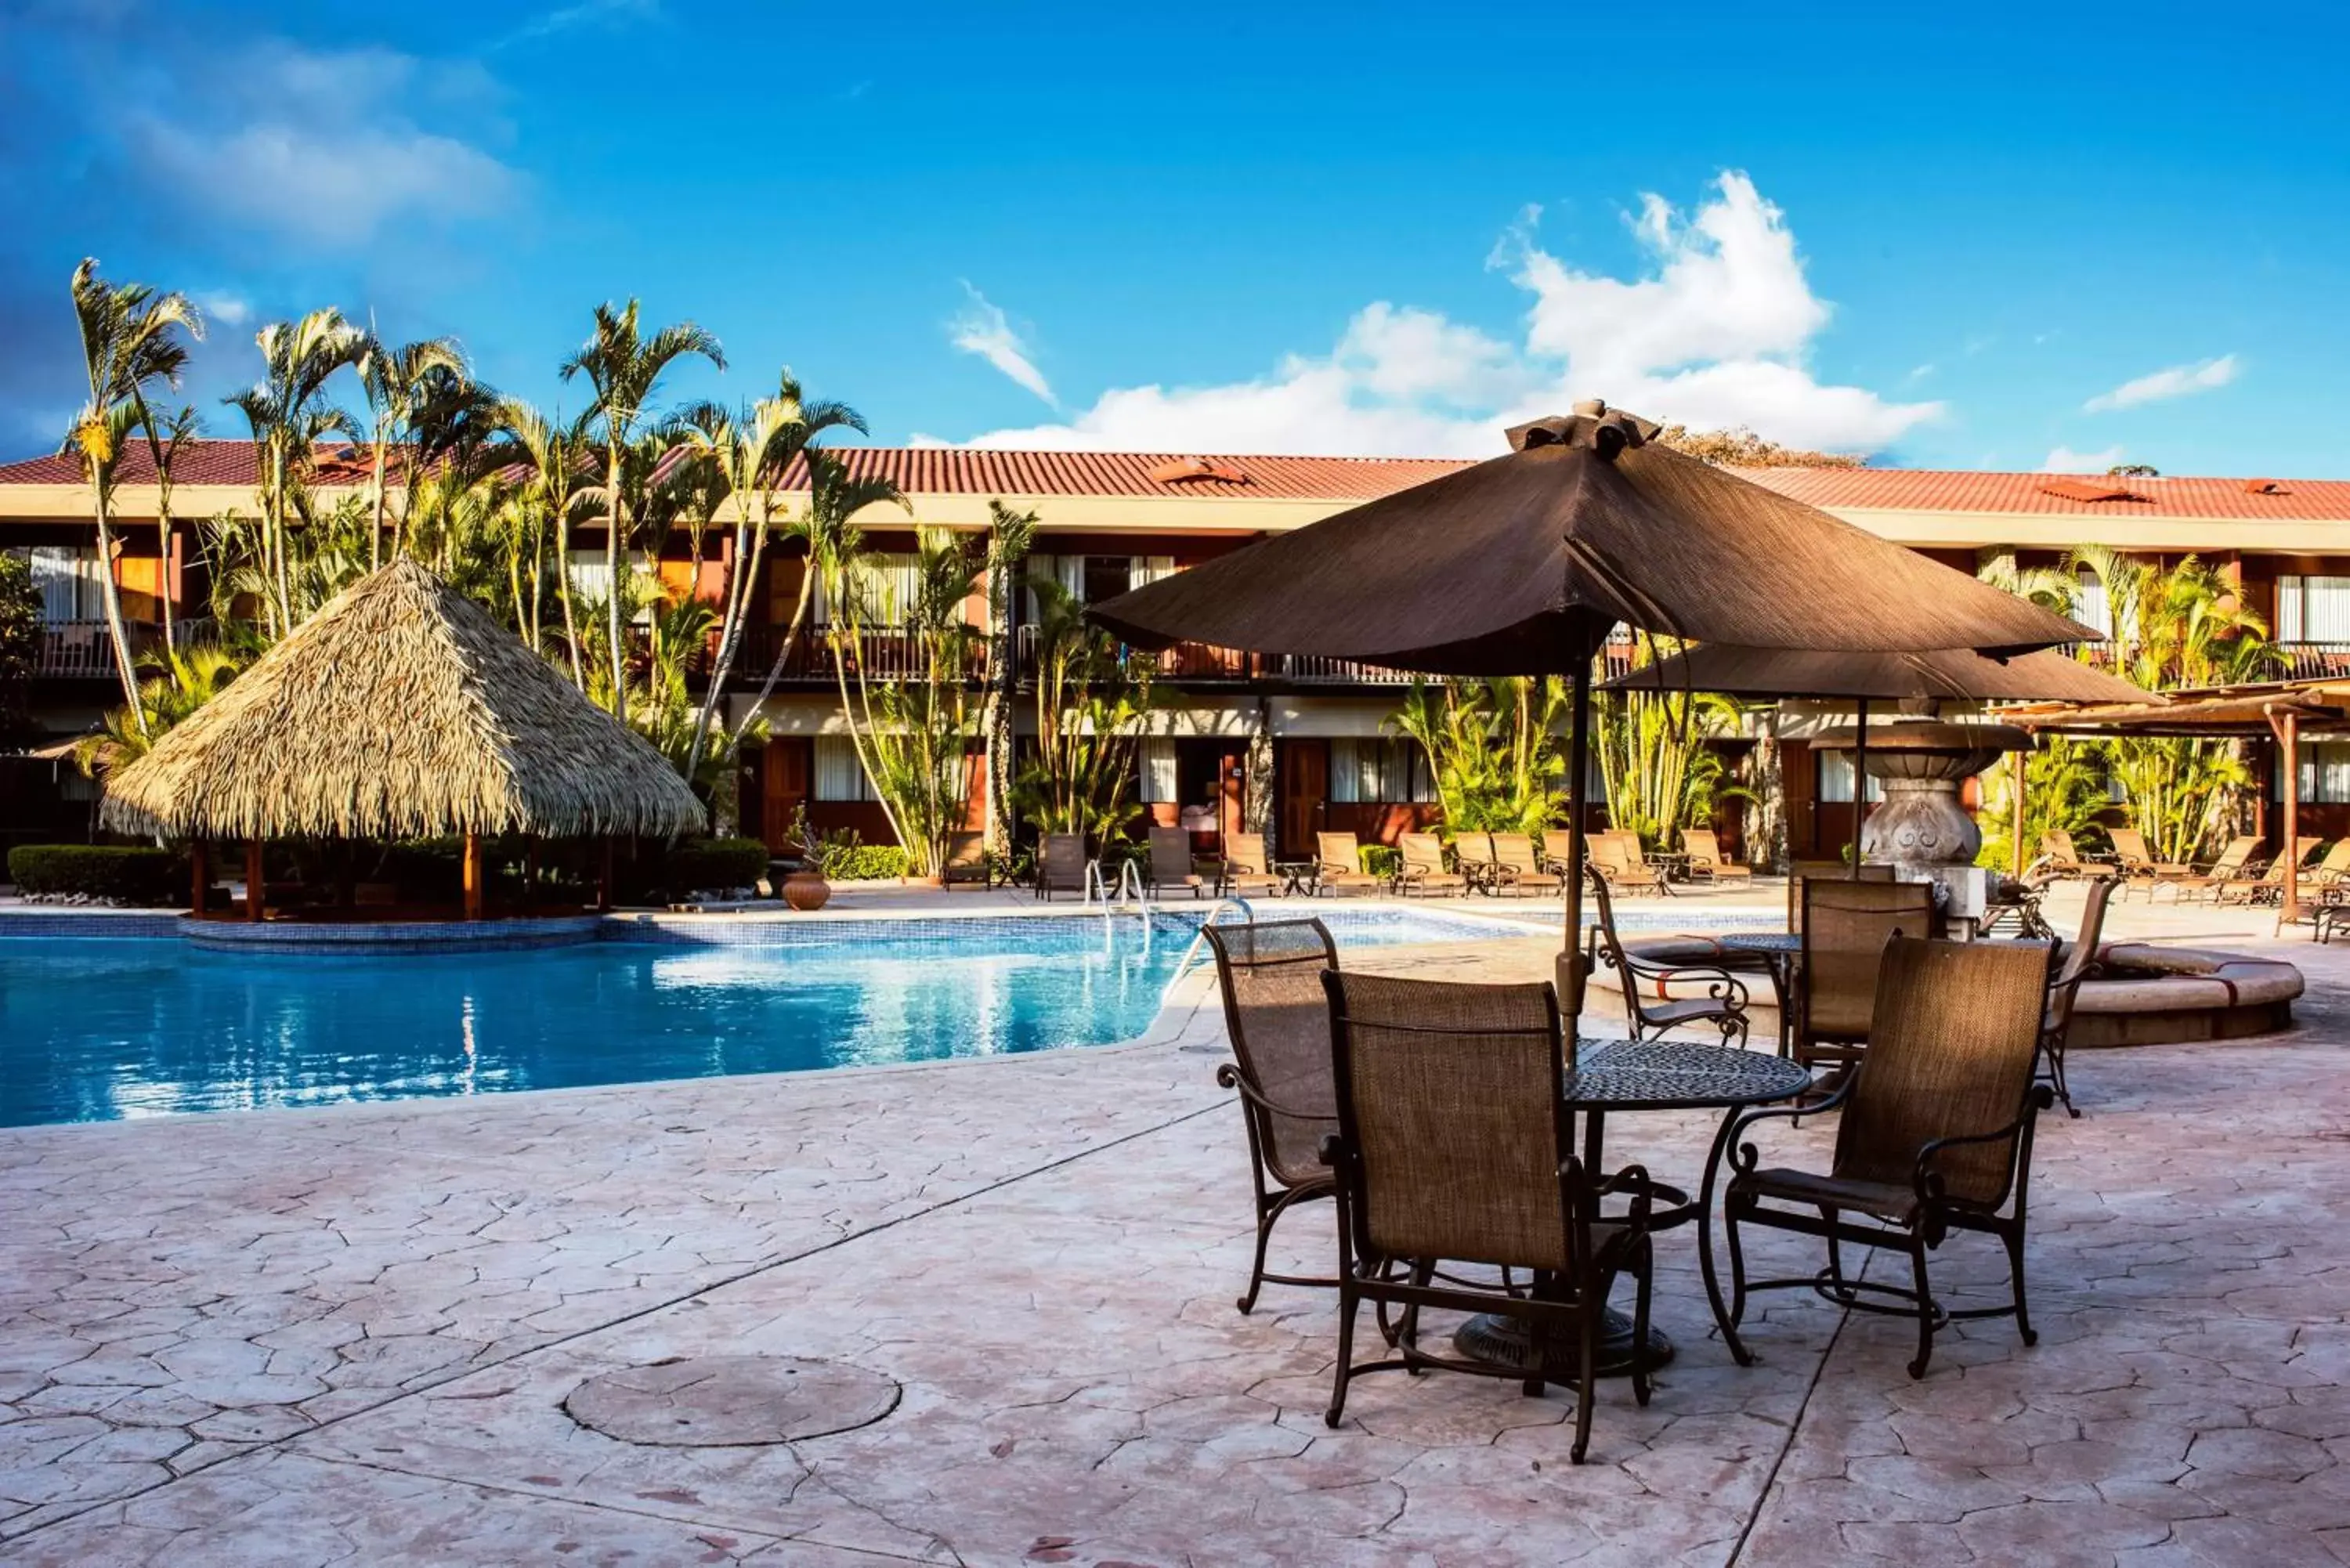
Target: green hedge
[[864, 863], [709, 865], [1381, 859], [134, 874]]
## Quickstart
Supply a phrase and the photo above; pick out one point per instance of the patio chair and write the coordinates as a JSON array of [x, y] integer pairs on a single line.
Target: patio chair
[[2060, 859], [2138, 862], [1521, 868], [1935, 1136], [1423, 867], [1801, 879], [2075, 961], [2332, 875], [1455, 1143], [1649, 1005], [1846, 928], [1341, 865], [1474, 853], [1707, 863], [2268, 888], [967, 861], [1247, 869], [1555, 844], [1060, 865], [1621, 863], [2235, 864], [1279, 1025], [1170, 863]]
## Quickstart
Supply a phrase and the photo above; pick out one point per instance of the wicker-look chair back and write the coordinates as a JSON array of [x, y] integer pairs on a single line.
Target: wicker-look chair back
[[1451, 1097], [2065, 989], [1061, 863], [1846, 926], [1952, 1056], [1422, 853], [1279, 1024], [1515, 852], [1472, 849], [1170, 859]]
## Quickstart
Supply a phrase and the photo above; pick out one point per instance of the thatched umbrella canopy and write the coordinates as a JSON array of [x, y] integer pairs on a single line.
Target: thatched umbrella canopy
[[401, 710]]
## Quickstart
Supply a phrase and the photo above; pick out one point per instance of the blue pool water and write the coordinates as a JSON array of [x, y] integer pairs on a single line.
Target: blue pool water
[[99, 1028]]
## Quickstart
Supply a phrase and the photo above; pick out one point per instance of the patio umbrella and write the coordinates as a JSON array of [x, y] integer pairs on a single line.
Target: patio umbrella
[[1950, 674], [1523, 565]]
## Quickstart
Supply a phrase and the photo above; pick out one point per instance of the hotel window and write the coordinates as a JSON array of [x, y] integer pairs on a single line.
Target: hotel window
[[884, 587], [2091, 607], [2324, 775], [68, 581], [1156, 770], [591, 579], [1835, 779], [2313, 609], [839, 776], [1090, 579], [1379, 773]]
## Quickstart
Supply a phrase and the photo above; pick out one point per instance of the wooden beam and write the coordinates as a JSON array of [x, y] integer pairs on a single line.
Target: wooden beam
[[2015, 832], [256, 881], [2286, 721], [474, 876], [200, 876]]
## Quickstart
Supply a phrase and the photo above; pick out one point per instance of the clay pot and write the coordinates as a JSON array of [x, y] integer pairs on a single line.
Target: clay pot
[[807, 890]]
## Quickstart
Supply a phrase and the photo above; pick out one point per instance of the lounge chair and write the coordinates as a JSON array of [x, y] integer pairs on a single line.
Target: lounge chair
[[1556, 843], [1423, 867], [2138, 867], [1455, 1143], [1060, 865], [1618, 858], [2065, 990], [2268, 888], [1474, 853], [1340, 867], [1935, 1134], [1846, 928], [2058, 858], [1278, 1022], [1170, 863], [1707, 863], [2235, 864], [967, 861], [1521, 868], [1649, 1005], [1247, 871]]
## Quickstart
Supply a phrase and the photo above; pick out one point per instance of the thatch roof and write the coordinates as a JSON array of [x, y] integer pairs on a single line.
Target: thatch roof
[[401, 710], [1950, 674]]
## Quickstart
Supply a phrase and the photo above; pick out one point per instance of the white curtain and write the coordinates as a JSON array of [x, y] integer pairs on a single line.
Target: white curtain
[[1157, 769], [1835, 778], [67, 577], [2326, 610], [1151, 568], [1378, 773], [887, 584], [2325, 774], [838, 774], [2091, 607]]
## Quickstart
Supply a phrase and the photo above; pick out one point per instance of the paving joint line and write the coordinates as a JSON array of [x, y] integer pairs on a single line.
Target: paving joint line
[[286, 1444]]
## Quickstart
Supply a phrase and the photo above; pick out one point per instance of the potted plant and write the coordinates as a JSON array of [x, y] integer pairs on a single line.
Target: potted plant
[[806, 888]]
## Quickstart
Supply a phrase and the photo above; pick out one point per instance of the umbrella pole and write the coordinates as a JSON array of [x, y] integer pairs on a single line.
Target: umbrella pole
[[1578, 762], [1859, 785]]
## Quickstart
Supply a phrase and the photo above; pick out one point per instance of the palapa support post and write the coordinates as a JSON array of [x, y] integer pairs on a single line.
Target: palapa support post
[[2015, 829], [2286, 723], [1570, 956], [200, 878], [473, 876], [530, 875], [257, 882], [604, 878], [1859, 785]]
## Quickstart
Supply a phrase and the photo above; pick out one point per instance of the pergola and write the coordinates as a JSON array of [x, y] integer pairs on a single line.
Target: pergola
[[2285, 710], [400, 710]]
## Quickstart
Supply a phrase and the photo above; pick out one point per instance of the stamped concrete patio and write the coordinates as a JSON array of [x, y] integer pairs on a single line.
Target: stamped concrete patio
[[349, 1336]]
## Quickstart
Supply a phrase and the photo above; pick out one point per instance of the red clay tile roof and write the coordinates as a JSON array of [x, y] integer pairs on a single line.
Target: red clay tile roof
[[966, 471], [1928, 490]]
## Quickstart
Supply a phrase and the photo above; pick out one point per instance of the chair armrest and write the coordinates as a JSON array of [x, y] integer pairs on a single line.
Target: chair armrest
[[1721, 981], [1929, 1185], [1745, 1156], [1228, 1077]]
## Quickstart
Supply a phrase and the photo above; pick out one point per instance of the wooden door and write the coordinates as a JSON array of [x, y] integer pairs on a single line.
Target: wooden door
[[1305, 772], [790, 761]]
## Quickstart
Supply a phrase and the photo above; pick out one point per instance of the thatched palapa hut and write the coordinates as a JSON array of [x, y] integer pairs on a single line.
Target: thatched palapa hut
[[401, 710]]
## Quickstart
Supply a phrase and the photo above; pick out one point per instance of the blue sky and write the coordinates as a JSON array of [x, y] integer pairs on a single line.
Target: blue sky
[[2086, 234]]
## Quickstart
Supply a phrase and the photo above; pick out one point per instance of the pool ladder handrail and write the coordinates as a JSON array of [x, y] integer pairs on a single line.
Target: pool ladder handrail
[[1129, 884], [1184, 965]]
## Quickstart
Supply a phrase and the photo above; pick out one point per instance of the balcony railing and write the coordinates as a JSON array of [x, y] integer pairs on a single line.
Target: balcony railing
[[82, 649], [881, 654], [893, 654], [2312, 661]]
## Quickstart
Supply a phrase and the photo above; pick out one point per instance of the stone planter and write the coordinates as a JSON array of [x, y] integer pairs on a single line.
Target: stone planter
[[807, 890]]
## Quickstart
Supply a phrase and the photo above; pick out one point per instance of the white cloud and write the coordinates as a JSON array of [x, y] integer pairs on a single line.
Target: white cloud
[[223, 308], [2064, 460], [321, 146], [982, 330], [587, 13], [2176, 382], [1715, 332]]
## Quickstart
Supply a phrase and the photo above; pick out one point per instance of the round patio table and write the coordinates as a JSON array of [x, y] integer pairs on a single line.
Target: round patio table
[[1652, 1075], [1298, 877]]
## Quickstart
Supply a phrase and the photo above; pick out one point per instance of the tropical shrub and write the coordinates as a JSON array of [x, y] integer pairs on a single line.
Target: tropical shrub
[[127, 873], [20, 646], [1493, 750], [2064, 790], [1380, 859], [707, 864], [1091, 704], [867, 863]]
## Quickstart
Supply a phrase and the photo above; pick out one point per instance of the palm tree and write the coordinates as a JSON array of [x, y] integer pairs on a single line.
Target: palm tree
[[750, 452], [832, 541], [1010, 535], [166, 436], [394, 381], [552, 454], [131, 340], [623, 367], [288, 413]]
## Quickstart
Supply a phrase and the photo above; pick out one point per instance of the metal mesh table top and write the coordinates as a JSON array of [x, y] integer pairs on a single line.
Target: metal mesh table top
[[1760, 941], [1666, 1076]]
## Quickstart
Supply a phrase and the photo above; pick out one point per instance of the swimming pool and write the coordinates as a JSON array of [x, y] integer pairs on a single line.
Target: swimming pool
[[94, 1029]]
